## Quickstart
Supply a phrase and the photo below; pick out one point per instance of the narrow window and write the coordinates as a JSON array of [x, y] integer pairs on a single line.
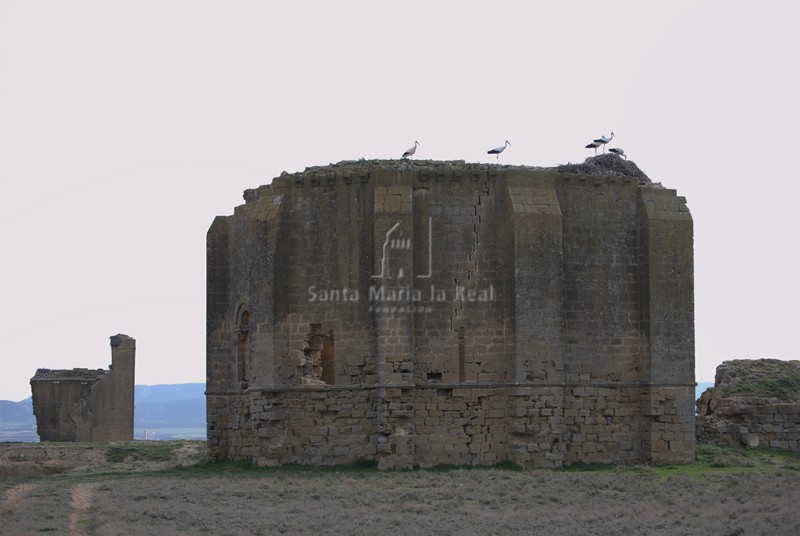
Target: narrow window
[[241, 352]]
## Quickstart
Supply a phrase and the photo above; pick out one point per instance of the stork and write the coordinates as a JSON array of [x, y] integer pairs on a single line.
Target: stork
[[619, 151], [498, 150], [602, 140], [594, 145], [411, 151]]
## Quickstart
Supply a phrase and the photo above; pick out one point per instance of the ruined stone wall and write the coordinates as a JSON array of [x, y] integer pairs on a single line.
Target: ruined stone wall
[[752, 424], [87, 405], [428, 313], [754, 403]]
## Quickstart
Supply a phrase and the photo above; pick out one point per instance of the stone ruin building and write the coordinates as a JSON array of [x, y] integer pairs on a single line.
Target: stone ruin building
[[423, 313], [87, 405], [754, 403]]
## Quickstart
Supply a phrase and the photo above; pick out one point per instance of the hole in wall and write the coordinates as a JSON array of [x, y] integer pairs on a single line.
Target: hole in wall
[[320, 355]]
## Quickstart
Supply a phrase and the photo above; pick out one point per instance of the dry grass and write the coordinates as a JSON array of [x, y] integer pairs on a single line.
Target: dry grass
[[80, 504], [726, 492]]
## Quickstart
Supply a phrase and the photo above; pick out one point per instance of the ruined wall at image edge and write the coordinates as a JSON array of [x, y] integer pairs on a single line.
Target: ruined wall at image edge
[[753, 403], [585, 354]]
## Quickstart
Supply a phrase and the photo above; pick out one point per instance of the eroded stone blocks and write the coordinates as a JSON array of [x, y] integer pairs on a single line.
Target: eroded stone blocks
[[450, 313]]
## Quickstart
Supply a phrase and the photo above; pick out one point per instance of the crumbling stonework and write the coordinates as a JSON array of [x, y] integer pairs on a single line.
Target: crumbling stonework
[[423, 313], [87, 405], [754, 403]]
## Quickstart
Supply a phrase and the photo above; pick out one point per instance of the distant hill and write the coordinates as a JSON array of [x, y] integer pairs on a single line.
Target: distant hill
[[17, 422], [169, 392], [168, 411], [16, 412], [190, 412]]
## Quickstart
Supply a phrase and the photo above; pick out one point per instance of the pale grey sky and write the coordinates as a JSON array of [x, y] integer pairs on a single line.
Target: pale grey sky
[[125, 127]]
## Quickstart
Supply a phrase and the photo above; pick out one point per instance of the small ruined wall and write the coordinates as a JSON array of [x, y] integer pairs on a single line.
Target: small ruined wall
[[753, 403], [752, 423], [423, 313], [87, 405]]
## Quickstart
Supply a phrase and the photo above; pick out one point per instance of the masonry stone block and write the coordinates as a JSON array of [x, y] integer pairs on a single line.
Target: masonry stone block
[[422, 313]]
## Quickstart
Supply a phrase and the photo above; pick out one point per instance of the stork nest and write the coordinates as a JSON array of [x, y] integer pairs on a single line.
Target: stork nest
[[606, 164]]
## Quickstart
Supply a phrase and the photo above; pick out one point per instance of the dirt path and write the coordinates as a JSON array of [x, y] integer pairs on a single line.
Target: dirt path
[[81, 497], [74, 507], [14, 495]]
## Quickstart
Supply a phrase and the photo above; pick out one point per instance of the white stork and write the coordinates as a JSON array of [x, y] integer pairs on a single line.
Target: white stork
[[411, 151], [602, 140], [594, 145], [619, 151], [498, 150]]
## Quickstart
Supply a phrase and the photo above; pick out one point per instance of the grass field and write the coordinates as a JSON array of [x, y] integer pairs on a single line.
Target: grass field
[[162, 488]]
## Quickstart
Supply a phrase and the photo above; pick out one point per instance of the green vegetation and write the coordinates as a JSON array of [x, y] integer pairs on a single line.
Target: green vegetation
[[786, 388], [141, 451], [763, 461], [710, 460]]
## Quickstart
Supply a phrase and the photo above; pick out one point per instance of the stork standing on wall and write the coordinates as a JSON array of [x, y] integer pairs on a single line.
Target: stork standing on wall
[[411, 151], [602, 140], [498, 150], [619, 151]]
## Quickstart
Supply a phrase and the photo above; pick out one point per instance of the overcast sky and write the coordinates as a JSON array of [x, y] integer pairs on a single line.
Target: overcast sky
[[125, 127]]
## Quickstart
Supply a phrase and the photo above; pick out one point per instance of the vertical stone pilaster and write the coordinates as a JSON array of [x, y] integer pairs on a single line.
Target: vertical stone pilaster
[[218, 347], [266, 223], [391, 299], [535, 224], [392, 279], [667, 264]]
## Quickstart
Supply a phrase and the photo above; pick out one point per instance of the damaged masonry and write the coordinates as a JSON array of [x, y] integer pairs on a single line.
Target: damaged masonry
[[423, 313], [87, 405]]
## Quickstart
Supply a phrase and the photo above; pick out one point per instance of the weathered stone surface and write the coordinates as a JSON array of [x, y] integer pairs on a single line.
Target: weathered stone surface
[[419, 313], [87, 405], [754, 403]]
